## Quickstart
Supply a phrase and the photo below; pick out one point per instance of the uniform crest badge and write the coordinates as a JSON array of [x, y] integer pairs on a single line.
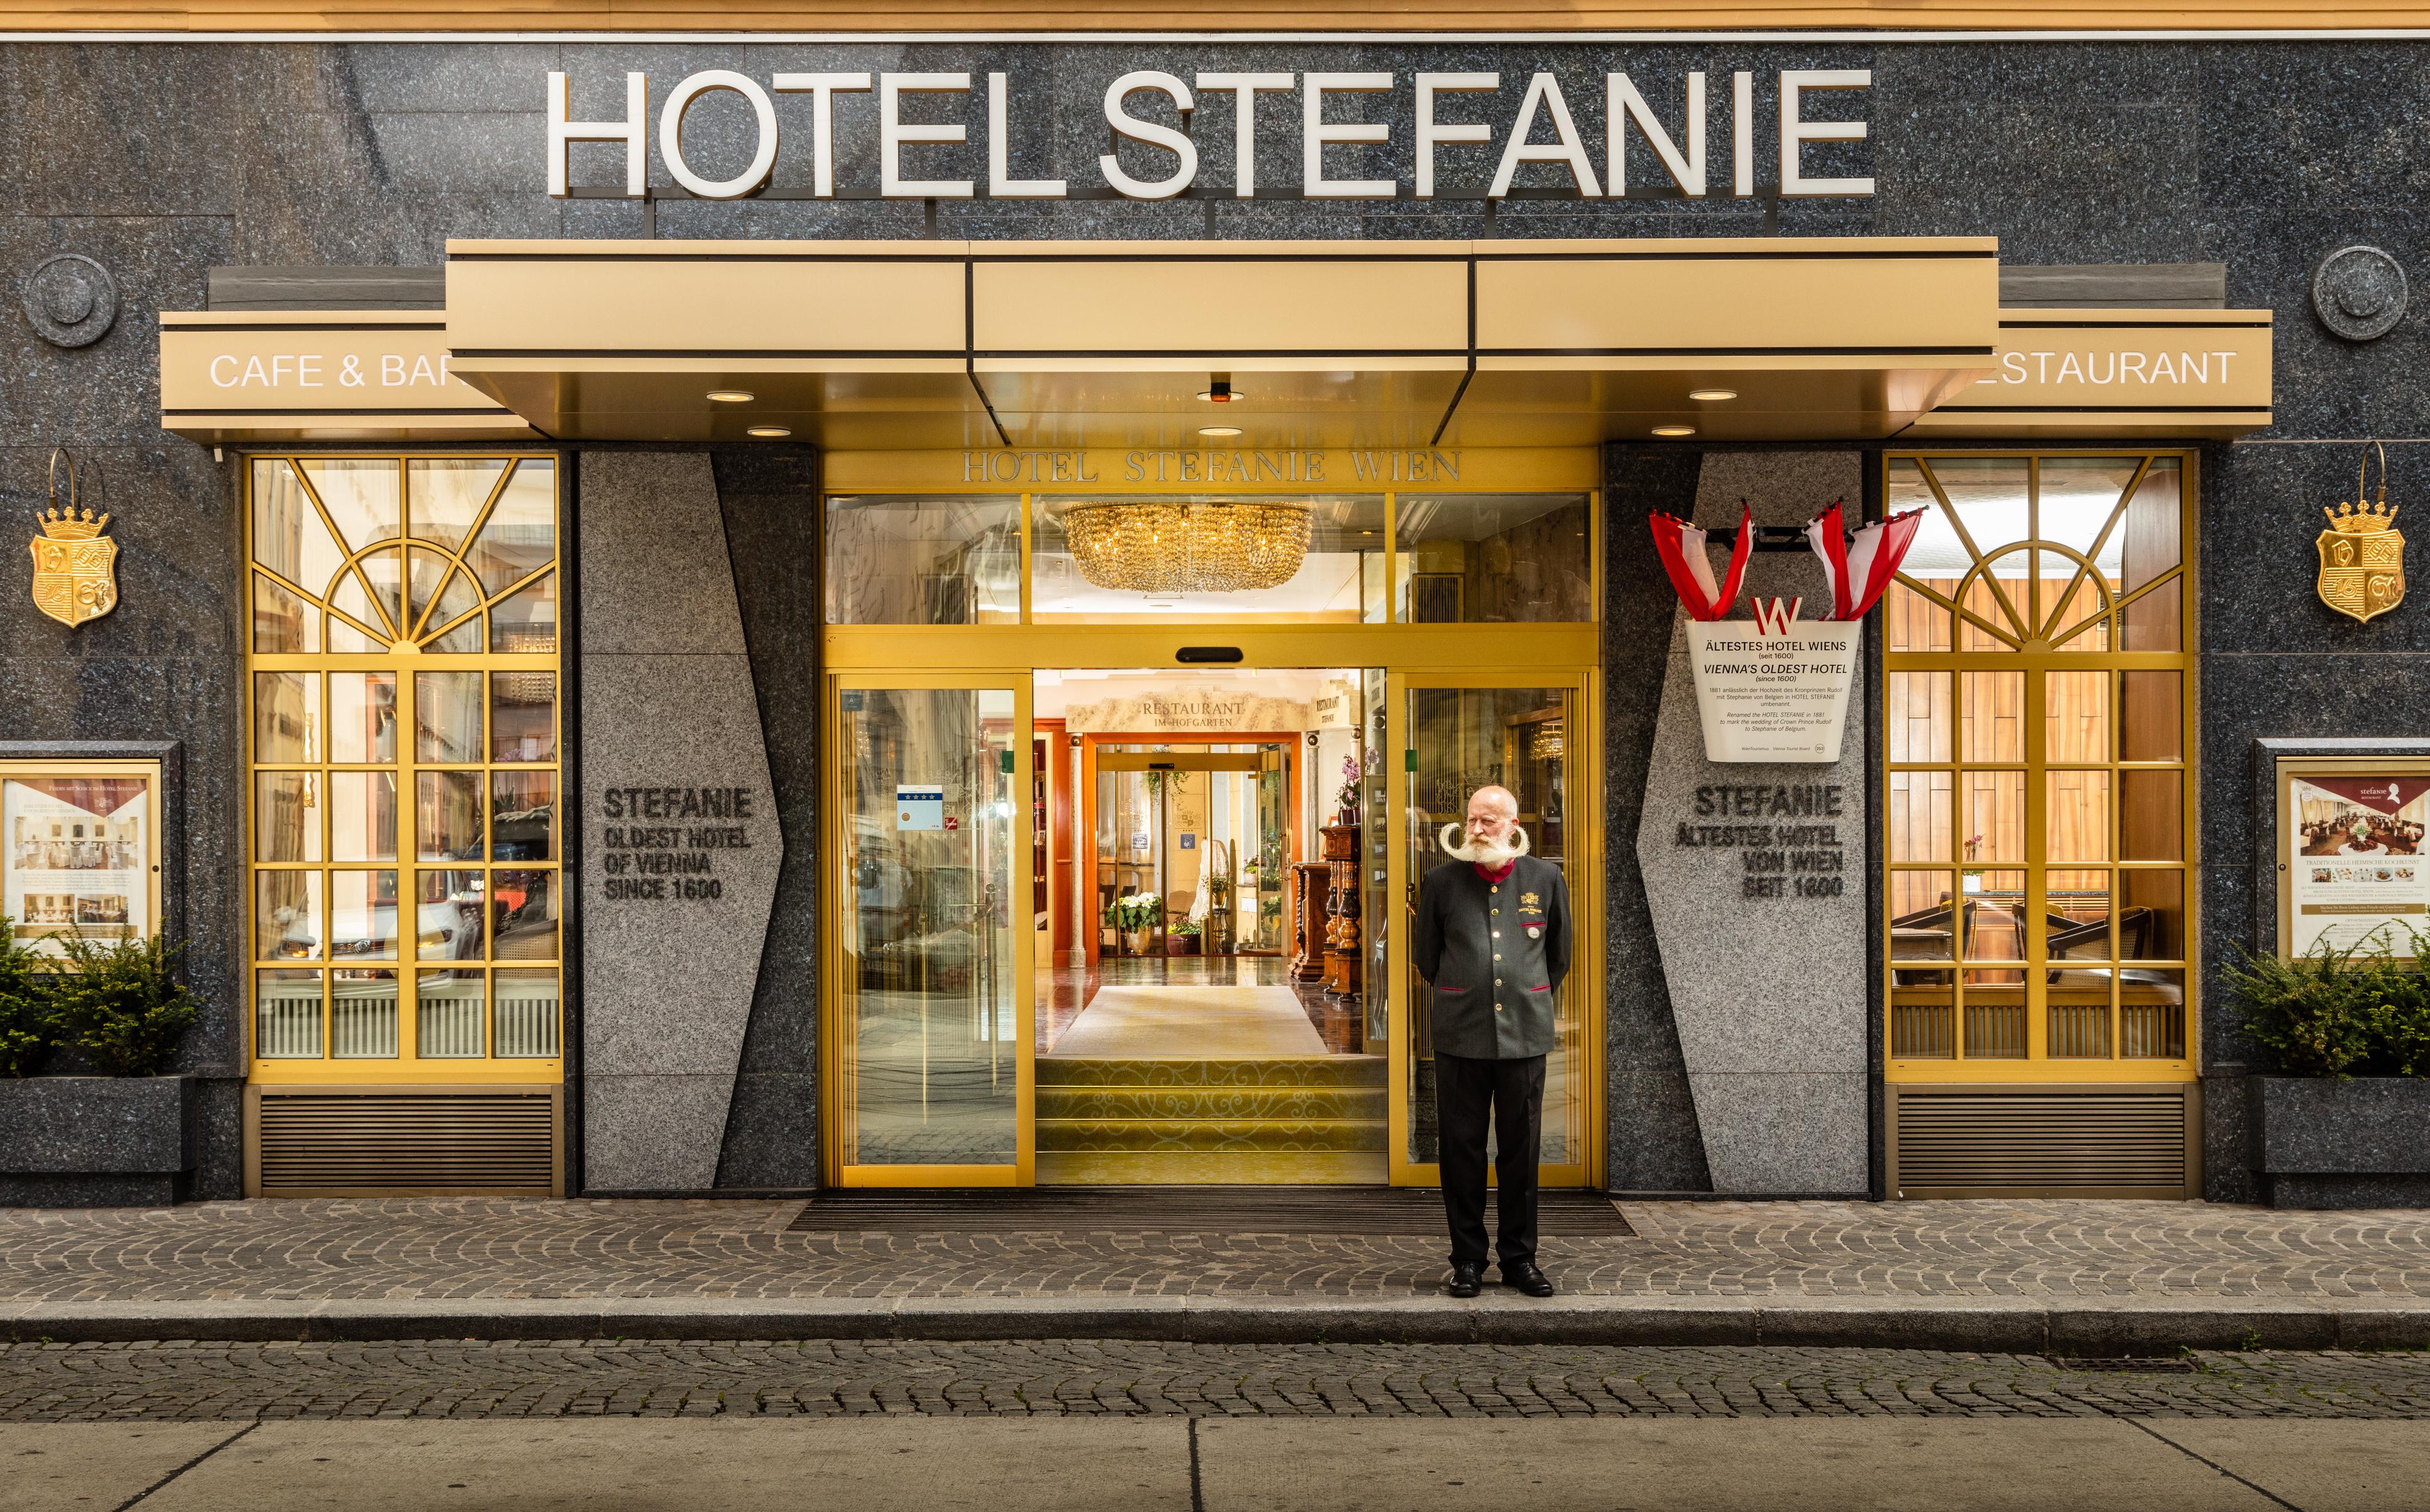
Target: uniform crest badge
[[75, 566], [2362, 556], [1530, 903]]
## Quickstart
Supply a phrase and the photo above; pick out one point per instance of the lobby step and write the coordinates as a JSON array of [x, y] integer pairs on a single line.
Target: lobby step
[[1271, 1135], [1191, 1070], [1310, 1118], [1277, 1104]]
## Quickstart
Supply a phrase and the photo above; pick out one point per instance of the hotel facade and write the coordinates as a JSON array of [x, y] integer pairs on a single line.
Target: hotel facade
[[749, 601]]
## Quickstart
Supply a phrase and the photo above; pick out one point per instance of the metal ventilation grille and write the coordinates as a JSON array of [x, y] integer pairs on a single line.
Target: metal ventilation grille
[[2120, 1143], [348, 1144]]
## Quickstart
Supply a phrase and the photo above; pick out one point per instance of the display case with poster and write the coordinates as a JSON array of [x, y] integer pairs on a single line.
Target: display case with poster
[[79, 850], [2352, 871]]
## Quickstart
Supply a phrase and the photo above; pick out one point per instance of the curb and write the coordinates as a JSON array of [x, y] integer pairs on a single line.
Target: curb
[[2093, 1326]]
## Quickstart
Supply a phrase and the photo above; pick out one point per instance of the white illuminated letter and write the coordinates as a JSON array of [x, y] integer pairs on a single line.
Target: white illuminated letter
[[1174, 141], [1001, 183], [1546, 90], [1315, 135], [1622, 103], [1795, 133], [671, 120], [821, 88], [1743, 134], [1244, 88], [1429, 132], [892, 134], [632, 131]]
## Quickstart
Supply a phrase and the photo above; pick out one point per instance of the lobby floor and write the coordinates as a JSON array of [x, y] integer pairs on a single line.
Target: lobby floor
[[1065, 991]]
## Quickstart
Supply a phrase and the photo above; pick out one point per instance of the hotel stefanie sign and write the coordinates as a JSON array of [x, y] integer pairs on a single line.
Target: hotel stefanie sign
[[1713, 150]]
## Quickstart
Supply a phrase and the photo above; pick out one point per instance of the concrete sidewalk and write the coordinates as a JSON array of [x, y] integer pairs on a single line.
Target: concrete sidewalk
[[2063, 1277], [1220, 1465]]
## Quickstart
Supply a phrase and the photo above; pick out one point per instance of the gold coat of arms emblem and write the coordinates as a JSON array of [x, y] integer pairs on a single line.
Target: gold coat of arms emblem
[[75, 566], [2362, 559]]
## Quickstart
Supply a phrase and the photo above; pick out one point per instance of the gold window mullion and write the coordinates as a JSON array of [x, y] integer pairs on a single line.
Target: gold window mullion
[[2035, 910], [2034, 625], [409, 862]]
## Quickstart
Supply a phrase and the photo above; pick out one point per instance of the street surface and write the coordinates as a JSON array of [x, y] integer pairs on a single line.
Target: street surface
[[1133, 1427]]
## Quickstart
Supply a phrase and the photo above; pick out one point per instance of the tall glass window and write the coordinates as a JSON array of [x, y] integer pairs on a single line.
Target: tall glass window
[[404, 739], [2039, 778]]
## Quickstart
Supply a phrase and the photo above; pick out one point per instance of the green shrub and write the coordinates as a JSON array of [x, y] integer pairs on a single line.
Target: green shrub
[[24, 1006], [120, 1004], [2357, 1012]]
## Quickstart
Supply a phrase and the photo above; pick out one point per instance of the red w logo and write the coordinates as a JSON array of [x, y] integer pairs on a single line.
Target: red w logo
[[1772, 616]]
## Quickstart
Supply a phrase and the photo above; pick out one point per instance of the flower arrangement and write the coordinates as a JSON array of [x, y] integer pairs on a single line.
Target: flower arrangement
[[1347, 798], [1135, 912]]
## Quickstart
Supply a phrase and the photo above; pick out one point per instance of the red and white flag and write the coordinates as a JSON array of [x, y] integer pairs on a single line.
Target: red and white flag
[[1859, 571], [1681, 546]]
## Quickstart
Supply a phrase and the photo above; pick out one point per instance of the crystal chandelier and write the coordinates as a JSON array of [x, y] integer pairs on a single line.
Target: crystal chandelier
[[1166, 546]]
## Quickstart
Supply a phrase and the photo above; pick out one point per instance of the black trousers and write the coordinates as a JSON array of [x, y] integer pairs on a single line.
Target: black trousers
[[1511, 1092]]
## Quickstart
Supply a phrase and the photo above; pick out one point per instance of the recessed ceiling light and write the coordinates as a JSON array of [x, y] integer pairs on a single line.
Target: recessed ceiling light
[[1711, 396], [1219, 430], [732, 396], [771, 432], [1674, 430]]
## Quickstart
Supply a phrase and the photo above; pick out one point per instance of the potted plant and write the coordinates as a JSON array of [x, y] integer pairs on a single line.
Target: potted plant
[[1346, 798], [2345, 1123], [124, 1135], [1183, 937], [1133, 916]]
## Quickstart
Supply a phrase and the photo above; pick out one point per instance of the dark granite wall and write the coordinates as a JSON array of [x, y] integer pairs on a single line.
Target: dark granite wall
[[161, 161], [770, 502]]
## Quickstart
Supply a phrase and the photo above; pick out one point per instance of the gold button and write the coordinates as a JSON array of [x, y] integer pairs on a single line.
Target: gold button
[[1497, 934], [1493, 889], [1497, 955], [1497, 1007], [1497, 912], [1497, 981]]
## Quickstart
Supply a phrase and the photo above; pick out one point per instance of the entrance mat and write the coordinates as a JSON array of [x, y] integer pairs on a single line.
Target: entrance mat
[[1382, 1211]]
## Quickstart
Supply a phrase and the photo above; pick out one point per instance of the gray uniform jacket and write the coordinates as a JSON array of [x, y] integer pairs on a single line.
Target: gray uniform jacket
[[1495, 954]]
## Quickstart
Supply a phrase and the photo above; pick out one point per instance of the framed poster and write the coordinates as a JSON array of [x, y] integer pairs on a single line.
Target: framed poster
[[79, 850], [2353, 870]]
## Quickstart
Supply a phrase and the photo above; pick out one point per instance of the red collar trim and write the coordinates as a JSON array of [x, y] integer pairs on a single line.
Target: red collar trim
[[1503, 876]]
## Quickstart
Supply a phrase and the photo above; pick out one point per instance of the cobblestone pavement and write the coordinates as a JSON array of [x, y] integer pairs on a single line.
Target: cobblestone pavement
[[1064, 1377], [474, 1249]]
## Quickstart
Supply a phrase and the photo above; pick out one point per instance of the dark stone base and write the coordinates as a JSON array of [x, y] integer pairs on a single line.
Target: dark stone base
[[2293, 1190], [161, 1189]]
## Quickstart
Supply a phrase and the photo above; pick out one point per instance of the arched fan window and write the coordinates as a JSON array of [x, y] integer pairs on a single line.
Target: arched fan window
[[2039, 786], [402, 731]]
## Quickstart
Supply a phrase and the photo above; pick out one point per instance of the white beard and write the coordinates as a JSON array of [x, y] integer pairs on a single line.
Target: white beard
[[1483, 853]]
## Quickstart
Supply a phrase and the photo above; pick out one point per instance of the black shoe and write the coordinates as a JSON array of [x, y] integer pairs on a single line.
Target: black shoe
[[1522, 1276], [1467, 1278]]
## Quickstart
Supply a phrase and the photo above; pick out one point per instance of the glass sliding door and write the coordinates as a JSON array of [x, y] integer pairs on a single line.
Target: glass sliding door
[[928, 892], [1457, 733]]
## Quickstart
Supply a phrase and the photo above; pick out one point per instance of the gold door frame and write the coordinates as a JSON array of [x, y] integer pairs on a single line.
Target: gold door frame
[[1585, 877], [841, 986], [1566, 654]]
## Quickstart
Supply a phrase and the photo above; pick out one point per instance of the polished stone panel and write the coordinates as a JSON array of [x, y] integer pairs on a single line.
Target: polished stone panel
[[1770, 996], [770, 506], [1649, 1113], [668, 707]]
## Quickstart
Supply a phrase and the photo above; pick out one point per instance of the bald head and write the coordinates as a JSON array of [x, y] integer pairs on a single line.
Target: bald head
[[1492, 811]]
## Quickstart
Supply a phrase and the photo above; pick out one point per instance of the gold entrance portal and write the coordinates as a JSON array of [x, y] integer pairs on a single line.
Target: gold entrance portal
[[1115, 894]]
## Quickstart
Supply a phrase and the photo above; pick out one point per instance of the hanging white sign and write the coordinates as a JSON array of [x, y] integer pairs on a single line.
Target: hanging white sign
[[1773, 689]]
